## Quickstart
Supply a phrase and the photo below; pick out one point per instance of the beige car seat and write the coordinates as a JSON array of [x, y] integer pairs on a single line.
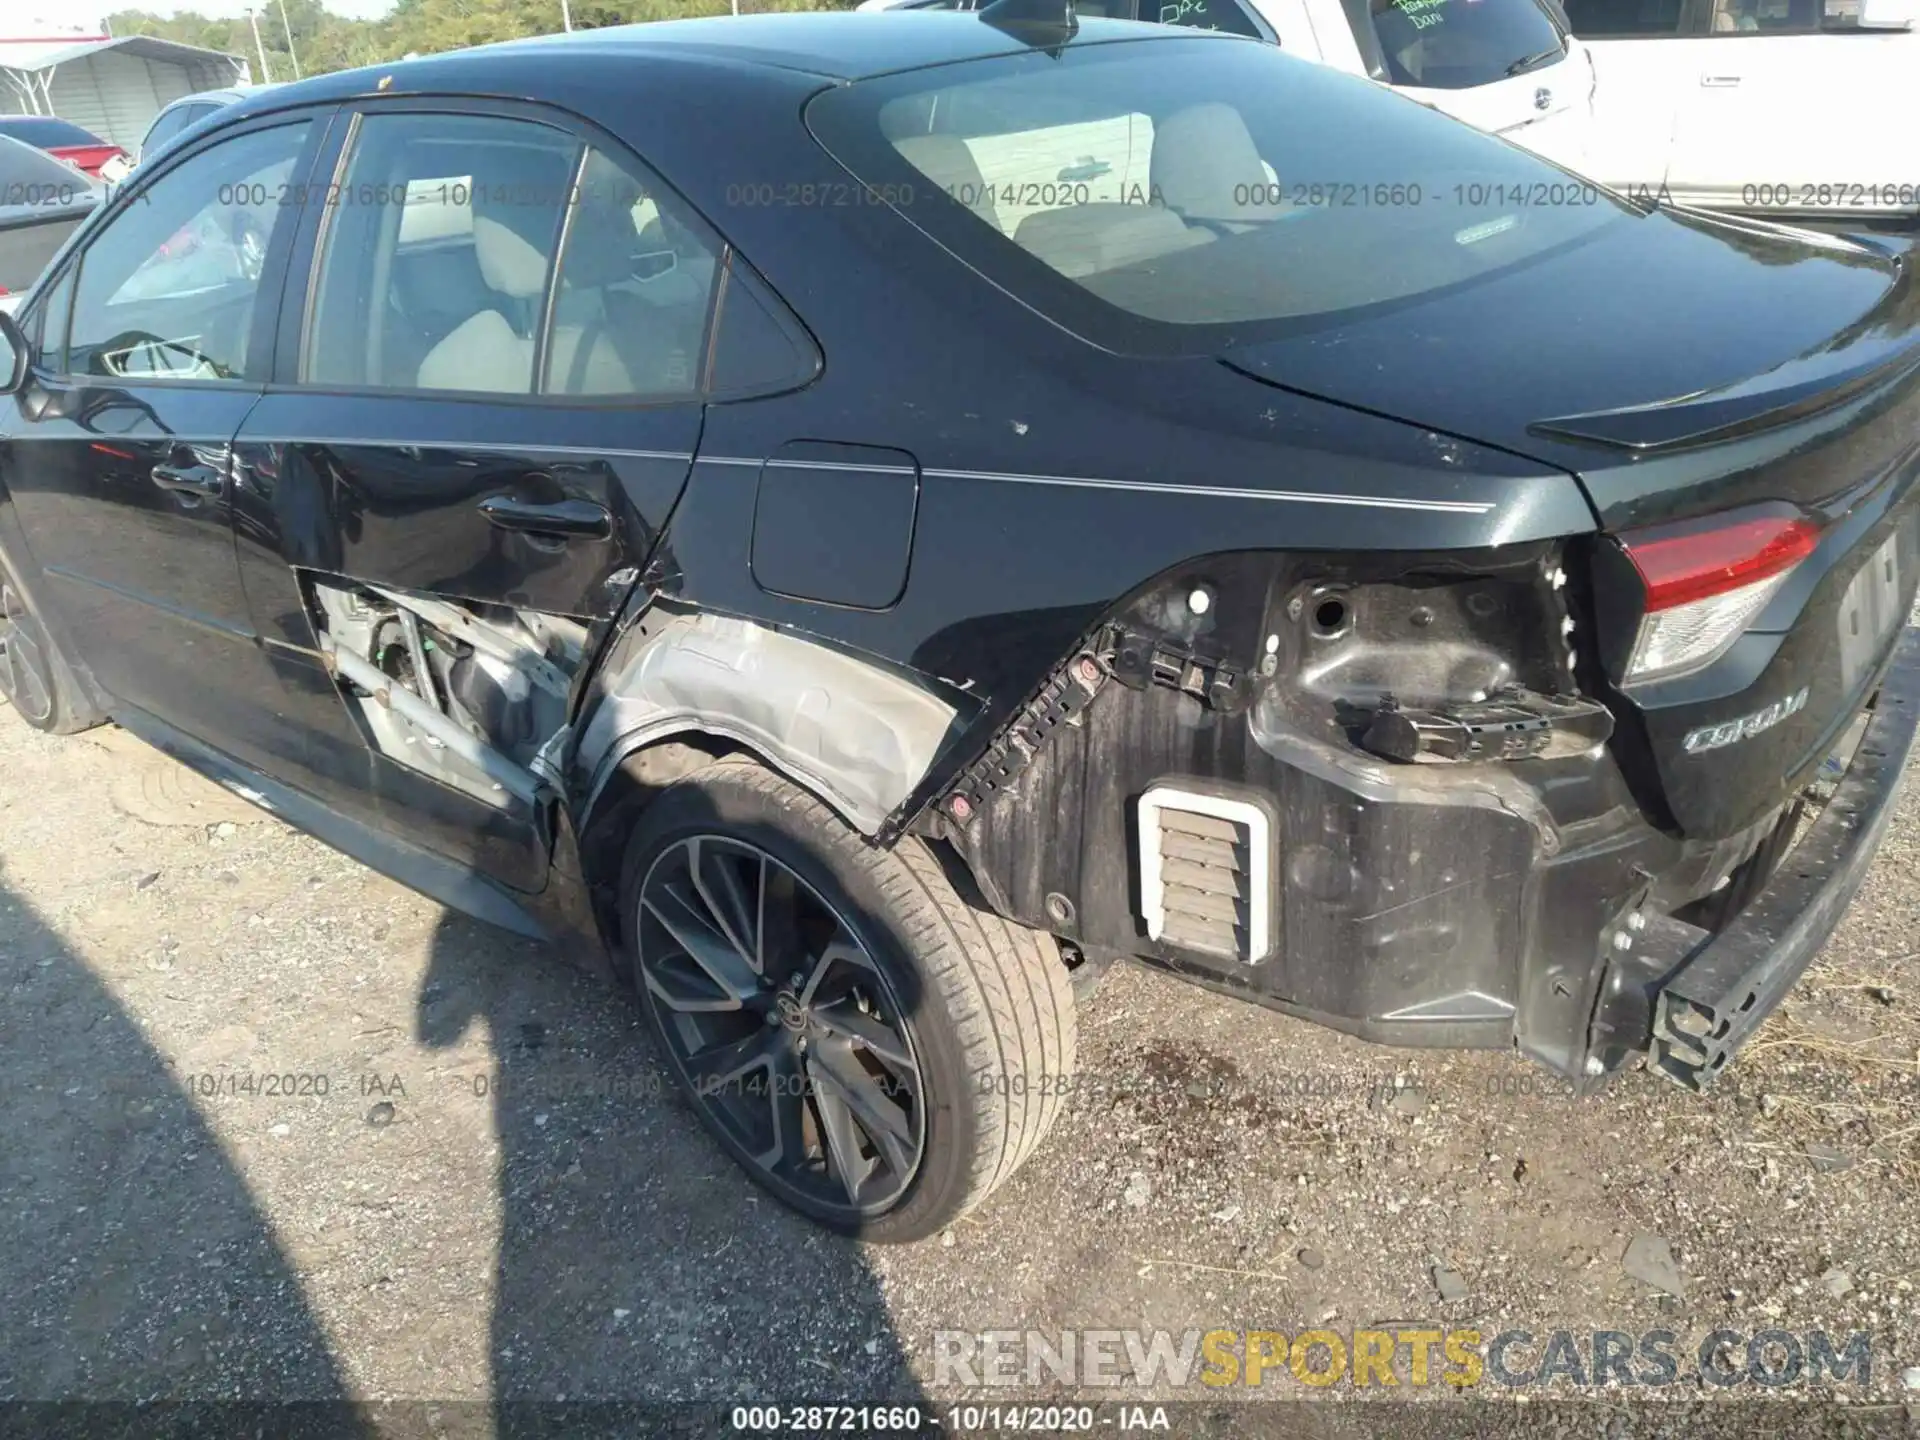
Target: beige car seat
[[1206, 169], [490, 352]]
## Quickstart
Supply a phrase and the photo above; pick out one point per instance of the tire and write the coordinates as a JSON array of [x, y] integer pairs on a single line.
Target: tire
[[962, 1023], [35, 678]]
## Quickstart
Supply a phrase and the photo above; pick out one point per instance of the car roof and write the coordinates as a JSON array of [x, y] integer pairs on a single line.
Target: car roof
[[20, 123], [204, 97], [834, 46], [841, 45], [225, 95]]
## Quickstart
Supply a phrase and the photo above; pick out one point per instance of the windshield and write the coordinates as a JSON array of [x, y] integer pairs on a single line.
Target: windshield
[[1199, 183], [1456, 44]]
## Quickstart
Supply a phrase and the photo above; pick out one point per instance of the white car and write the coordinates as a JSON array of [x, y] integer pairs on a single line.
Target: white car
[[1791, 109], [1512, 67]]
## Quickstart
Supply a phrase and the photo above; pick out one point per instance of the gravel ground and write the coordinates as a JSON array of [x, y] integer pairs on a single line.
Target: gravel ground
[[276, 1128]]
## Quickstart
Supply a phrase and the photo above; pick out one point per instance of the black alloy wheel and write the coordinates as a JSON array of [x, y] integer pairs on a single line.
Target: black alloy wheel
[[784, 1029]]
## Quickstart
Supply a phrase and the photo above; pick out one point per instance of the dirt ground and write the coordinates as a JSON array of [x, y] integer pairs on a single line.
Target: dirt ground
[[465, 1182]]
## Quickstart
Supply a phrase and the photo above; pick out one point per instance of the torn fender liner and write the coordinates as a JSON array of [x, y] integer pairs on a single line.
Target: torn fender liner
[[859, 735]]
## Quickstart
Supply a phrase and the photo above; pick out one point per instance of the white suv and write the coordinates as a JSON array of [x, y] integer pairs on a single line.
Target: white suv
[[1512, 67], [1793, 109]]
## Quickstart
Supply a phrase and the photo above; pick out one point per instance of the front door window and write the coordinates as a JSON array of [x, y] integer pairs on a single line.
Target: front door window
[[167, 289]]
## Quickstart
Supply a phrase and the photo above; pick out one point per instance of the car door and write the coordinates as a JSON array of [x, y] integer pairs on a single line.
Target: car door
[[118, 452], [1647, 62], [485, 404], [1796, 111]]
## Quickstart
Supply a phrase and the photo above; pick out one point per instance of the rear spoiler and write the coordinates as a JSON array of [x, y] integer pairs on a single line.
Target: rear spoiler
[[1852, 365]]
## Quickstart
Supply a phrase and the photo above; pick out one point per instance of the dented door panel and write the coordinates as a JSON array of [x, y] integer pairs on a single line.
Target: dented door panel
[[379, 488], [348, 505]]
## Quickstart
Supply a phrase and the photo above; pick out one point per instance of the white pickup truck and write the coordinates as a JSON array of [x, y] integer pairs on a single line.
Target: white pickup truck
[[1791, 109], [1509, 66]]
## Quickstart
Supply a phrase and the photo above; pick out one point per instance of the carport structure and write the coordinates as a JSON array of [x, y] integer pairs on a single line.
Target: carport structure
[[112, 87]]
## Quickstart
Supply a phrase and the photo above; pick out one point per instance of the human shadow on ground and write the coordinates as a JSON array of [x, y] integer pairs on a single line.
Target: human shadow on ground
[[136, 1267], [637, 1264]]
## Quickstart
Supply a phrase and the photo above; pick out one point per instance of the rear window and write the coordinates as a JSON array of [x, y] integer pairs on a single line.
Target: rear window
[[1198, 185], [46, 131], [1456, 44]]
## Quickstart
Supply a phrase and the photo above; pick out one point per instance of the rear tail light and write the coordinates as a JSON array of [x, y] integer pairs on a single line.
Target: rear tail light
[[1706, 581]]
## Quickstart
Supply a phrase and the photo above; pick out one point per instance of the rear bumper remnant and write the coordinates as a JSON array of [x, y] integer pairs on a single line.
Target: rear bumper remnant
[[1725, 984]]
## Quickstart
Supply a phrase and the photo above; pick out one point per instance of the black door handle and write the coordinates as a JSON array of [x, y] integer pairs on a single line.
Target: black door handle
[[560, 517], [201, 481]]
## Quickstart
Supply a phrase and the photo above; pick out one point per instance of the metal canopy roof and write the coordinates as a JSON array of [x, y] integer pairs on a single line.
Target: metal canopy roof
[[35, 55]]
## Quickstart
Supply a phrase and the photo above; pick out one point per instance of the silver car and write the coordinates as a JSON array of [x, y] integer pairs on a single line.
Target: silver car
[[174, 120]]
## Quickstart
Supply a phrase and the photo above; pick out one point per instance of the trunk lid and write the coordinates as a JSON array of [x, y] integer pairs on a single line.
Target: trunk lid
[[1700, 368], [1638, 339]]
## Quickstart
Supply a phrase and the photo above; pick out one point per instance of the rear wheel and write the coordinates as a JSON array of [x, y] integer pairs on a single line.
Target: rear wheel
[[33, 678], [870, 1047]]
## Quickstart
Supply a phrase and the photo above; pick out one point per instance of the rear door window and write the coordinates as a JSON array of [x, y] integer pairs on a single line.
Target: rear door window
[[438, 254], [497, 255], [630, 307]]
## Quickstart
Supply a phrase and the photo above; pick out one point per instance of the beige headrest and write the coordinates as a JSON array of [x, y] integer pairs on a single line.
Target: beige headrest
[[508, 263], [1205, 165]]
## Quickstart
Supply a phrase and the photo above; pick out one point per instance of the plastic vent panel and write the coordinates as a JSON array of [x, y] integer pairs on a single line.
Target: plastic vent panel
[[1206, 873]]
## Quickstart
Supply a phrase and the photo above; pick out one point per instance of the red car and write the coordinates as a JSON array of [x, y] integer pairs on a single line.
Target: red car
[[61, 139]]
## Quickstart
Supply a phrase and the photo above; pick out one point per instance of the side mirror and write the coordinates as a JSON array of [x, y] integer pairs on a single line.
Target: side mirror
[[15, 352]]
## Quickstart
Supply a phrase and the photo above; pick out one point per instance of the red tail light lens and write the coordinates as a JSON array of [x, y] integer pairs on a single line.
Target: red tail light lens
[[1707, 580], [1682, 565]]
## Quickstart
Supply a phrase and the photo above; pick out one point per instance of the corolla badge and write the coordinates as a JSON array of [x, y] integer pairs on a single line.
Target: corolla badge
[[1542, 98], [1712, 737]]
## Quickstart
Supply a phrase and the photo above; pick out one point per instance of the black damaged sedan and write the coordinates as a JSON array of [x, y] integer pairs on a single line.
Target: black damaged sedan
[[861, 520]]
